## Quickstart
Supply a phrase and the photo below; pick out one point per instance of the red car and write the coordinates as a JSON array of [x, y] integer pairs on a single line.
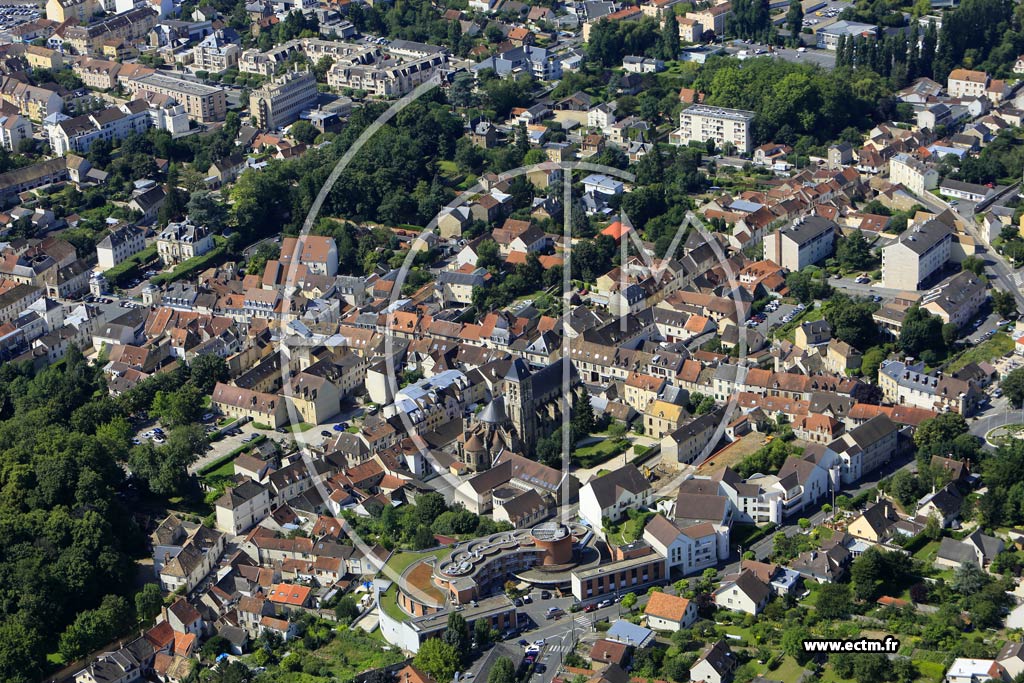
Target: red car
[[590, 608]]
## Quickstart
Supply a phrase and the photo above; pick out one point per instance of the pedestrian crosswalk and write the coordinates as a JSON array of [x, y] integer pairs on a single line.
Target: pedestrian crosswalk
[[583, 620]]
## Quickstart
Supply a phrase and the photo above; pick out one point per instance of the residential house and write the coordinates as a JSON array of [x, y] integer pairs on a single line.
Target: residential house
[[743, 593], [666, 612], [606, 498]]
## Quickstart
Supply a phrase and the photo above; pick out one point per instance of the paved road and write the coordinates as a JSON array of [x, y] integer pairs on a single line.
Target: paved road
[[849, 286]]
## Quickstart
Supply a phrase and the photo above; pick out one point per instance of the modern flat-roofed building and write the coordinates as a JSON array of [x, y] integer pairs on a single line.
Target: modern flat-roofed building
[[701, 123], [280, 102], [804, 242], [828, 37], [204, 103]]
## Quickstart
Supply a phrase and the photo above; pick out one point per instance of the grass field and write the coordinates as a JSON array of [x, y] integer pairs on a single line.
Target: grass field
[[987, 351], [598, 453]]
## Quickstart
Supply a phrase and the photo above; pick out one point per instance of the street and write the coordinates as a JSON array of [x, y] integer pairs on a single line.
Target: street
[[559, 635]]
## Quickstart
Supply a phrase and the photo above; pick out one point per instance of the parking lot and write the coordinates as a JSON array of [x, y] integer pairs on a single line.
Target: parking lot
[[12, 15], [773, 316]]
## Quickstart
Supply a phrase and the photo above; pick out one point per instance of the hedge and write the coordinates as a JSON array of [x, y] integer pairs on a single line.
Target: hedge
[[205, 469], [131, 267], [192, 266]]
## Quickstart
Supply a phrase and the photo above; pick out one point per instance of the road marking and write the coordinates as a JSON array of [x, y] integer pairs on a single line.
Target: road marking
[[583, 621]]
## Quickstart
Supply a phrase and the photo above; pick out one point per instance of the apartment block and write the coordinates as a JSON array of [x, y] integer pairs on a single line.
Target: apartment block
[[912, 174], [204, 103], [920, 252], [804, 242], [280, 102], [701, 123]]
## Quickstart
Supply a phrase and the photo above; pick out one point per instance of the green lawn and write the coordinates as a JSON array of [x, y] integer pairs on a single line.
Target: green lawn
[[789, 670], [809, 314], [226, 469], [598, 453], [987, 351], [928, 552], [301, 427]]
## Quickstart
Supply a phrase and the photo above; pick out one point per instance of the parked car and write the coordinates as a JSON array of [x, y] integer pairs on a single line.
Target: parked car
[[208, 416], [325, 433], [340, 427], [604, 603]]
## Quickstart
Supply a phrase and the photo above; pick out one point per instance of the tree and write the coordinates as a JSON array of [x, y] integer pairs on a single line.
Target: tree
[[503, 671], [180, 407], [429, 507], [974, 264], [176, 201], [921, 334], [1004, 303], [795, 20], [670, 38], [793, 643], [304, 132], [808, 284], [934, 435], [203, 209], [148, 602], [968, 579], [438, 659], [629, 601], [481, 633], [346, 610], [851, 322], [1013, 386], [583, 422], [833, 601], [457, 635], [423, 538], [206, 370], [854, 253], [488, 256]]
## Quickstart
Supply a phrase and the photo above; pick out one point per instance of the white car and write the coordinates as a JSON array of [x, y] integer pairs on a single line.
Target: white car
[[539, 643]]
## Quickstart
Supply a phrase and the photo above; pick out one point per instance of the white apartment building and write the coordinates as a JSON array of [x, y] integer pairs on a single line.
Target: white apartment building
[[119, 245], [688, 550], [204, 103], [214, 54], [78, 134], [966, 83], [912, 174], [242, 507], [920, 252], [805, 241], [700, 123], [14, 129], [387, 78]]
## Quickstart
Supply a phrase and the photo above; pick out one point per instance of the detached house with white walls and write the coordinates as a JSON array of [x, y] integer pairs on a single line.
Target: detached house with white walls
[[609, 497], [687, 549]]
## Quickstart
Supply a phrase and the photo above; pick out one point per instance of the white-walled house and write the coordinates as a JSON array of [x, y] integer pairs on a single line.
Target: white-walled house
[[609, 497], [687, 550]]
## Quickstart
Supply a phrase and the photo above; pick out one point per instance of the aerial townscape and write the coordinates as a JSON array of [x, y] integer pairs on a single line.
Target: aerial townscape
[[511, 341]]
